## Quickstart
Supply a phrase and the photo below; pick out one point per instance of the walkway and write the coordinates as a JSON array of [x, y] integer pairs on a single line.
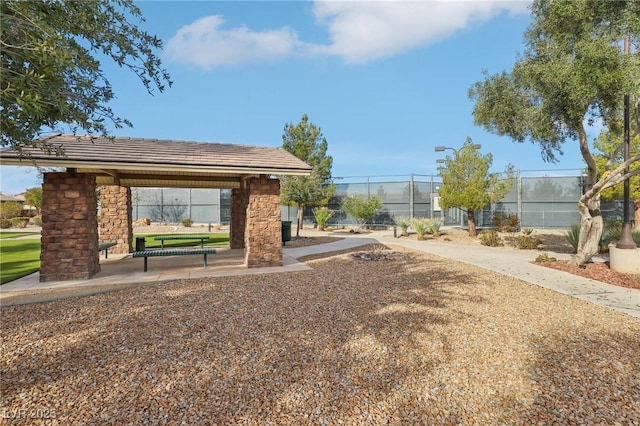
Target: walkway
[[511, 262]]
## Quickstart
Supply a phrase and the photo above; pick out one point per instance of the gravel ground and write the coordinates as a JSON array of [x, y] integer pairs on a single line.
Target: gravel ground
[[410, 339]]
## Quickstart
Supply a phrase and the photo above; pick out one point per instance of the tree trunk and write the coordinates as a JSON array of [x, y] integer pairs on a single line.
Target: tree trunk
[[472, 223], [300, 219], [591, 225]]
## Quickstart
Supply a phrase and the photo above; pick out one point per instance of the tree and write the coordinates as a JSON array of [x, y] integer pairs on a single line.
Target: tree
[[33, 197], [609, 144], [361, 208], [467, 183], [573, 73], [50, 71], [305, 141]]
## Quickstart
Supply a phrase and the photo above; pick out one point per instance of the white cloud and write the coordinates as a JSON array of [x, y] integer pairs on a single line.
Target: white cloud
[[205, 44], [363, 31], [359, 31]]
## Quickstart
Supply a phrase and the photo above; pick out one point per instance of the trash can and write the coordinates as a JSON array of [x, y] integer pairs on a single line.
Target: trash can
[[286, 231], [140, 246]]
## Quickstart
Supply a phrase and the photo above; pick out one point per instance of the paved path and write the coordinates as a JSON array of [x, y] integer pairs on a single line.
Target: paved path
[[512, 262]]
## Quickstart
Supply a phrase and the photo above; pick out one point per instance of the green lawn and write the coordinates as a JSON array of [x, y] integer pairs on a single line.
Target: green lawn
[[20, 257]]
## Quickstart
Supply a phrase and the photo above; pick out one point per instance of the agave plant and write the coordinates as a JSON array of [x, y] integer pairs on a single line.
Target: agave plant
[[322, 215], [403, 223], [421, 226]]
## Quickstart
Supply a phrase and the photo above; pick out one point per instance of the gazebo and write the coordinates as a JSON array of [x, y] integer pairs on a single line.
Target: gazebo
[[70, 232]]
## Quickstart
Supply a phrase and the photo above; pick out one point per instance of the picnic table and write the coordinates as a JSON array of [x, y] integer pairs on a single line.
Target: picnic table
[[163, 238]]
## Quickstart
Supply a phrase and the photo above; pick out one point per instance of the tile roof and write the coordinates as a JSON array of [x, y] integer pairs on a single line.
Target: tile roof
[[86, 150]]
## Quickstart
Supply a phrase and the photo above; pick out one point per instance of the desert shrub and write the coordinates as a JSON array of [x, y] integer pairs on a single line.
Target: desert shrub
[[490, 238], [434, 227], [545, 258], [37, 220], [614, 233], [10, 209], [421, 226], [5, 223], [572, 236], [322, 215], [527, 241], [187, 222], [403, 223], [506, 223], [19, 222], [361, 208]]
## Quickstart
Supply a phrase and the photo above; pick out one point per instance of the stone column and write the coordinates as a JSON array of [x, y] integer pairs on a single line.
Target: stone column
[[239, 202], [69, 227], [263, 231], [115, 218]]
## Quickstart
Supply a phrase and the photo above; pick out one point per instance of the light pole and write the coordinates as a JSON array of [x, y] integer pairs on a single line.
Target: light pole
[[442, 148], [626, 238]]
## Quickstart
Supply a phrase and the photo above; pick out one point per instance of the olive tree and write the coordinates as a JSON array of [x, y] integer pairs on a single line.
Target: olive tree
[[50, 65], [467, 183], [572, 74]]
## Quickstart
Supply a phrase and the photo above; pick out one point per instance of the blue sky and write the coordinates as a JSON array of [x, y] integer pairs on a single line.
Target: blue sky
[[386, 81]]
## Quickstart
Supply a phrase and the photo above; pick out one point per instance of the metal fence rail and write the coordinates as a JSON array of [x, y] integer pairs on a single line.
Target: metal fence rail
[[539, 201]]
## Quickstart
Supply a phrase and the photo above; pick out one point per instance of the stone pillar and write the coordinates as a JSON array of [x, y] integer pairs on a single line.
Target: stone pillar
[[239, 202], [69, 227], [115, 218], [263, 231]]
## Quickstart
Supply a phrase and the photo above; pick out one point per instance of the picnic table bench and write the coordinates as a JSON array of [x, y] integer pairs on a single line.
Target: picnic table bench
[[105, 246], [173, 252], [163, 238]]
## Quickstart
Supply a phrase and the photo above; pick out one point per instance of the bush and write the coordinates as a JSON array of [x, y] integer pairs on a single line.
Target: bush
[[10, 209], [37, 220], [5, 223], [421, 226], [322, 215], [506, 223], [527, 241], [187, 222], [490, 238], [434, 227], [572, 236], [361, 208], [614, 233], [403, 223], [545, 258], [19, 222]]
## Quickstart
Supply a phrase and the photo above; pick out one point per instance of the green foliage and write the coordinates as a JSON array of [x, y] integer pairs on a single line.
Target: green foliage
[[10, 209], [573, 236], [545, 258], [37, 220], [421, 226], [19, 222], [322, 216], [527, 241], [434, 226], [490, 238], [614, 233], [572, 72], [187, 222], [467, 183], [305, 141], [5, 223], [506, 223], [403, 223], [610, 155], [51, 71], [33, 197], [363, 210]]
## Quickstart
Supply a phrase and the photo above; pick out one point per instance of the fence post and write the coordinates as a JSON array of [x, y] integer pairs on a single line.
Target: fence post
[[411, 200]]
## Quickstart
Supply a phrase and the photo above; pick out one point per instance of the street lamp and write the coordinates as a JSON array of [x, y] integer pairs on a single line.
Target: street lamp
[[626, 238], [442, 148]]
